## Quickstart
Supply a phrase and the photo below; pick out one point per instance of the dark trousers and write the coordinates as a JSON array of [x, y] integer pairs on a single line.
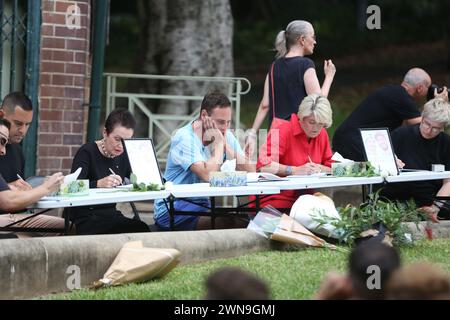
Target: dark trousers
[[108, 222], [444, 214]]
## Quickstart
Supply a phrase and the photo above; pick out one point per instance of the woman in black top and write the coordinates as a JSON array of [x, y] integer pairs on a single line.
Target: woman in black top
[[97, 159], [419, 146], [294, 76]]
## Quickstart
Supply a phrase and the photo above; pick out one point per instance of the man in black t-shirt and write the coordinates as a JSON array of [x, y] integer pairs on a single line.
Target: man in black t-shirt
[[13, 200], [419, 146], [16, 199], [388, 107], [17, 109]]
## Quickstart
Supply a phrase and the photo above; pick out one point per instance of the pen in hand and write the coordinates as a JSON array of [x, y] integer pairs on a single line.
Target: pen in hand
[[21, 184], [315, 165], [111, 170]]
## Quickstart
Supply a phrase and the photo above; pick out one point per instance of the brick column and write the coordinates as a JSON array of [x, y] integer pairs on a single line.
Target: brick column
[[65, 68]]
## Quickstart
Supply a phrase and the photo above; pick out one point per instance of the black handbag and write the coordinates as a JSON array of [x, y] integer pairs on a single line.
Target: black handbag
[[372, 235]]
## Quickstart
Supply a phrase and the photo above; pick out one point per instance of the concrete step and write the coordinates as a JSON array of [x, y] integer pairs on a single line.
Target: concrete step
[[36, 266]]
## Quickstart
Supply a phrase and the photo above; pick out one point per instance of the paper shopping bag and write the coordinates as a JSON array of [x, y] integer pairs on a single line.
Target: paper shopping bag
[[135, 263], [292, 232]]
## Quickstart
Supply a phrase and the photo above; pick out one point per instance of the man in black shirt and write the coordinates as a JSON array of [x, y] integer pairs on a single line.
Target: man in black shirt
[[13, 200], [419, 146], [17, 109], [388, 107]]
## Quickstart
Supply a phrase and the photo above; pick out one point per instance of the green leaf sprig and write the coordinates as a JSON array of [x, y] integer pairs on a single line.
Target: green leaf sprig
[[142, 186]]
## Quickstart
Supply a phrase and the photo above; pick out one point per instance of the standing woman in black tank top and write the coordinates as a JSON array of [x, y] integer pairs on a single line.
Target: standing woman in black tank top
[[291, 77]]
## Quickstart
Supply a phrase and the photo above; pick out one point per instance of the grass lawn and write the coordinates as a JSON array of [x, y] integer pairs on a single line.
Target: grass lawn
[[294, 274]]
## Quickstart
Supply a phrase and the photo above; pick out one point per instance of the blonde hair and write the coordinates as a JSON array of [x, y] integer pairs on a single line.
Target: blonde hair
[[437, 110], [319, 107], [286, 38]]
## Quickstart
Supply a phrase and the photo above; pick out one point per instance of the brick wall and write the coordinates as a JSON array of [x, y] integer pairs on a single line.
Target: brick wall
[[65, 68]]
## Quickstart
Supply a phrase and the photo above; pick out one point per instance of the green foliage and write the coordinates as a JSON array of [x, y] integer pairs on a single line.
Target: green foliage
[[354, 220], [74, 187], [369, 171], [142, 186], [133, 178], [357, 169]]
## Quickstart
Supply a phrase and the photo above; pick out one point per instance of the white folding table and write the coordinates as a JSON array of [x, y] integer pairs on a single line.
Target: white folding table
[[186, 191], [104, 196], [319, 182], [418, 176], [98, 196], [95, 197], [332, 181]]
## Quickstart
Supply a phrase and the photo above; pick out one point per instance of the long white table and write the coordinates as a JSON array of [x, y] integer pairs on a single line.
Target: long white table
[[95, 197], [418, 176], [292, 183], [256, 188], [332, 181], [319, 182], [104, 196], [204, 190], [98, 196]]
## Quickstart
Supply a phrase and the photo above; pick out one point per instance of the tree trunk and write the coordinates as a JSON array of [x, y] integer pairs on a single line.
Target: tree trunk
[[186, 38]]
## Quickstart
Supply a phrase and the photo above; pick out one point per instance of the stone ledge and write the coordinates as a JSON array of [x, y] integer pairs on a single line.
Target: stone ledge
[[440, 230], [31, 267], [37, 266]]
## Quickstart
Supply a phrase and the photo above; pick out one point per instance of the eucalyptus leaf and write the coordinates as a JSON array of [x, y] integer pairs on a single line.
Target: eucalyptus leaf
[[142, 186]]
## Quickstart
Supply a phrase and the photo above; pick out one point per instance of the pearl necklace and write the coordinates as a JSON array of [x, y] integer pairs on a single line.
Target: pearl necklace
[[105, 153]]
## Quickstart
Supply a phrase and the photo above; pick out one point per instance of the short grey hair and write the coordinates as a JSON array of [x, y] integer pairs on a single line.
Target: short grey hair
[[437, 110], [286, 38], [417, 76], [319, 107]]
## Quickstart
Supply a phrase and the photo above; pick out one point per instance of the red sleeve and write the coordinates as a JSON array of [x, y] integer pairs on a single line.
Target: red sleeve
[[274, 148], [327, 153]]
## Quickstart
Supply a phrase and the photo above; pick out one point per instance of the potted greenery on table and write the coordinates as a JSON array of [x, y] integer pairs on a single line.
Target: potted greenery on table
[[142, 186]]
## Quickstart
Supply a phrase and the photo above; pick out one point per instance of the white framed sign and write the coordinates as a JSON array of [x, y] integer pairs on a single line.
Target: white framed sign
[[379, 151], [143, 161]]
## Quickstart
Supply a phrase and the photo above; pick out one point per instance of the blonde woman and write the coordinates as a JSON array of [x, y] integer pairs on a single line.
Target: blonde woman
[[299, 146]]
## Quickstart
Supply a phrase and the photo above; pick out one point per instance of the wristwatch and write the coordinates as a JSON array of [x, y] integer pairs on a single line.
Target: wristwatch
[[288, 170]]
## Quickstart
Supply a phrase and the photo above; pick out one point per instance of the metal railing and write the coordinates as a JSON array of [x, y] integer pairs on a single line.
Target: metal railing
[[20, 22], [13, 39], [235, 88]]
